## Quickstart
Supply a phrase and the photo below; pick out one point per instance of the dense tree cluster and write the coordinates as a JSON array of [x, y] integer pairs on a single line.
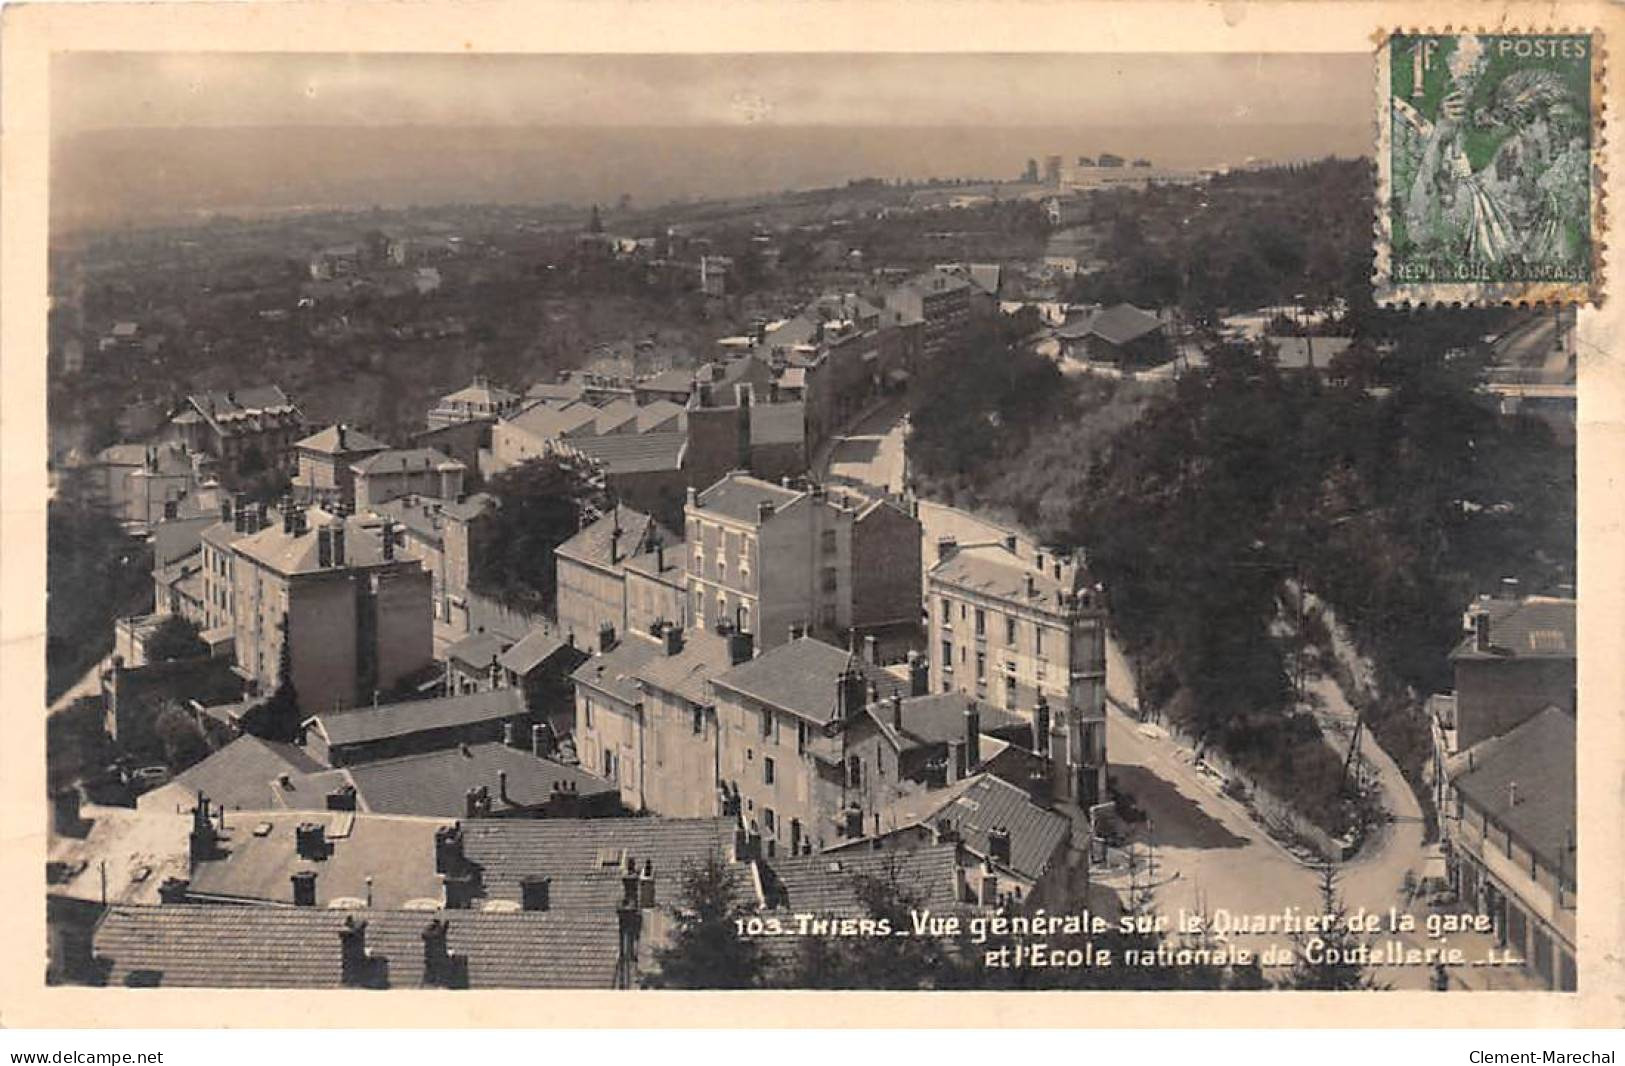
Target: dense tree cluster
[[541, 504]]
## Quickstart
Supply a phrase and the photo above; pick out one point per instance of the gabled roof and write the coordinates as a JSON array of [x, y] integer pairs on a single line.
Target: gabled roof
[[1538, 757], [340, 439], [482, 392], [435, 784], [613, 416], [239, 776], [1536, 627], [1117, 325], [988, 803], [939, 718], [688, 673], [740, 496], [404, 460], [801, 676], [629, 453], [534, 649], [658, 415], [598, 543], [827, 884], [190, 945], [478, 650], [672, 380], [365, 725], [586, 857], [993, 570], [545, 421], [615, 672]]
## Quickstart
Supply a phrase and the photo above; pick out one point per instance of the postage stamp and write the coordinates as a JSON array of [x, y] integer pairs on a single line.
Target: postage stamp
[[1489, 168]]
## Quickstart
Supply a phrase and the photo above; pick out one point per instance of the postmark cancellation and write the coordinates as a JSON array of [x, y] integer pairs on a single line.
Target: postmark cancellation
[[1489, 168]]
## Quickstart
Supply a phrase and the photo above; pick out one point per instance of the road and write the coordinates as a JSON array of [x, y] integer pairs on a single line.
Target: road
[[870, 452]]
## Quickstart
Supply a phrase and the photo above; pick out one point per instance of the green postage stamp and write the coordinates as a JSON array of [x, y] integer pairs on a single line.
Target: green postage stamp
[[1489, 168]]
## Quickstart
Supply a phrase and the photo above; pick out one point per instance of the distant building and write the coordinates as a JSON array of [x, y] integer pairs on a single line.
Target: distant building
[[366, 734], [386, 475], [478, 400], [714, 271], [1122, 335], [245, 430], [768, 559], [1009, 631], [325, 459], [940, 302]]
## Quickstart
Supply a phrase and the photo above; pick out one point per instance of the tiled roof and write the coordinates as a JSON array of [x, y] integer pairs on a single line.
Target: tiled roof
[[182, 945], [239, 776], [672, 380], [585, 857], [340, 440], [419, 514], [687, 674], [533, 649], [740, 496], [290, 553], [639, 453], [365, 724], [940, 717], [556, 390], [258, 854], [481, 393], [616, 672], [988, 803], [827, 883], [1537, 627], [992, 570], [596, 543], [546, 421], [662, 414], [477, 650], [778, 423], [1117, 325], [1539, 758], [435, 784], [614, 415], [402, 460], [800, 676]]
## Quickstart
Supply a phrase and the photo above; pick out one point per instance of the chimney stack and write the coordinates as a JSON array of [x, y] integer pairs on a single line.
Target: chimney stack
[[797, 630], [897, 711], [646, 886], [741, 646], [388, 540], [304, 888], [998, 845], [448, 849], [1481, 630], [954, 769], [946, 546], [535, 892], [850, 689], [871, 649], [510, 734], [442, 968], [973, 735], [660, 556], [764, 511], [355, 959], [1509, 588], [673, 639], [342, 798], [502, 786], [174, 890], [1010, 543], [310, 840]]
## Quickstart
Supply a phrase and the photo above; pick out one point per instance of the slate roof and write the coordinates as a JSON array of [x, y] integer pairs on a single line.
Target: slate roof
[[546, 421], [533, 649], [993, 570], [363, 725], [739, 496], [1119, 325], [660, 414], [478, 649], [615, 672], [687, 674], [403, 460], [435, 784], [289, 553], [827, 883], [988, 802], [585, 857], [1539, 757], [614, 415], [298, 947], [778, 423], [939, 718], [639, 453], [672, 380], [341, 440], [672, 572], [1536, 627], [239, 776], [258, 855], [800, 677], [556, 390], [593, 545]]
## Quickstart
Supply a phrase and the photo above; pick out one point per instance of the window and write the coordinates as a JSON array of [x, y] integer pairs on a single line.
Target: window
[[699, 721], [1010, 691], [722, 608], [981, 666], [767, 771], [699, 609], [609, 765], [769, 821], [767, 722], [826, 616], [827, 541], [854, 772], [831, 581], [1010, 632], [1038, 640], [744, 618], [981, 622], [801, 738], [586, 712], [947, 655]]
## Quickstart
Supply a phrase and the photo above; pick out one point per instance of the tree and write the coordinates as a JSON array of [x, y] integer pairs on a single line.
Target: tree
[[183, 741], [880, 962], [1322, 960], [175, 638], [542, 503], [706, 949], [279, 717]]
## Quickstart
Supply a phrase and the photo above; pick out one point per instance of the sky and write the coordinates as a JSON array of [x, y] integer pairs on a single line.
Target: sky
[[146, 137], [115, 90]]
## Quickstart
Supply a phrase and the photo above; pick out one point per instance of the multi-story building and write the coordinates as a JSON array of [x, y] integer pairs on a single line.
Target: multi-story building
[[244, 430], [940, 301], [479, 400], [657, 588], [1008, 629], [592, 573], [356, 615], [387, 475], [325, 457], [766, 558]]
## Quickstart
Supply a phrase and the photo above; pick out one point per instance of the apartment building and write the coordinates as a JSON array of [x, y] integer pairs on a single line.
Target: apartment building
[[325, 458]]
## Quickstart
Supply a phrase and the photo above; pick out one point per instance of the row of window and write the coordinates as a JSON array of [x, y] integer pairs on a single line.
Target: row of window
[[1011, 628]]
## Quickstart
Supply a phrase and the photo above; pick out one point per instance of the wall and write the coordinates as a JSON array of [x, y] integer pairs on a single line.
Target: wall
[[588, 597], [785, 574], [1495, 696], [681, 778], [605, 725], [461, 441], [376, 488], [405, 624], [885, 568], [322, 623], [649, 601]]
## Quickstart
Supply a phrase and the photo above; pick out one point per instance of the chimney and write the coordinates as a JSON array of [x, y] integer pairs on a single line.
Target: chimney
[[998, 845], [442, 968], [502, 787], [1509, 588], [287, 519], [457, 891], [954, 769], [173, 890], [973, 735], [897, 711], [871, 650], [1481, 630], [510, 733], [673, 638], [388, 536], [1512, 793], [646, 886], [919, 674], [850, 690], [262, 515], [764, 511], [342, 798], [629, 920], [615, 545], [338, 545], [355, 959], [448, 849], [310, 840], [606, 637], [946, 546], [1010, 543], [1041, 722], [538, 741], [741, 646], [693, 497], [324, 547], [535, 892], [203, 836], [304, 888]]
